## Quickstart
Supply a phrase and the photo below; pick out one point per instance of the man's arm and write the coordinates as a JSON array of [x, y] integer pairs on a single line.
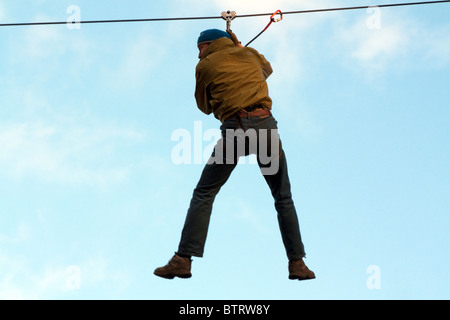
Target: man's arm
[[201, 90], [235, 40]]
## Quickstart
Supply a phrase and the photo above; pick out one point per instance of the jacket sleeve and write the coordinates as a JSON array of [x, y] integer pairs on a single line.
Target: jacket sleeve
[[201, 90], [265, 65]]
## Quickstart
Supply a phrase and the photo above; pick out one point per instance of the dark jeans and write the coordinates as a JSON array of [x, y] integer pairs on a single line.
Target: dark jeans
[[218, 169]]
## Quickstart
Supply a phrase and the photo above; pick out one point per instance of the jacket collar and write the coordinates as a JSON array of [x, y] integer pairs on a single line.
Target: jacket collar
[[217, 45]]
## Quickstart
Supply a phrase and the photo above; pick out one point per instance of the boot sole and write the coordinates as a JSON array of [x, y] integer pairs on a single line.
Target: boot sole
[[172, 276], [300, 278]]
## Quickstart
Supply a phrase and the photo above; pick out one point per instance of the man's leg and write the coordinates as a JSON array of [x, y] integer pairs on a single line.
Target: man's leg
[[288, 221], [193, 236], [195, 229], [287, 216]]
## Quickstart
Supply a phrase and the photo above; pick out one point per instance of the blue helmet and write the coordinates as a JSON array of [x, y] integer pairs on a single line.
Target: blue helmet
[[210, 35]]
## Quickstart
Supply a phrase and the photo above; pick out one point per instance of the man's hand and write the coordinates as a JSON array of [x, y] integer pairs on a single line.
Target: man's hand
[[237, 43]]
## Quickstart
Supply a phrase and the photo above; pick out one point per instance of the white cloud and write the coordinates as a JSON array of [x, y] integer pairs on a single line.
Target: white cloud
[[400, 41], [25, 276], [65, 152], [54, 280], [44, 41], [22, 234], [41, 53], [373, 48], [381, 44], [58, 280]]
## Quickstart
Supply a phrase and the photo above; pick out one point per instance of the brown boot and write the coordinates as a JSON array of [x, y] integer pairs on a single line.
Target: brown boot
[[177, 267], [298, 270]]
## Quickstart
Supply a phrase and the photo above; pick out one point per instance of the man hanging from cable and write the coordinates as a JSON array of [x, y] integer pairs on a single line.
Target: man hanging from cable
[[231, 84]]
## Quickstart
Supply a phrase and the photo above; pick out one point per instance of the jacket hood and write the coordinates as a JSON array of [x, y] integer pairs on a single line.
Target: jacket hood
[[217, 45]]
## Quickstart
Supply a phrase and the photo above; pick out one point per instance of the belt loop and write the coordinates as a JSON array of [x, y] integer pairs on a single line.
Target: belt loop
[[239, 123]]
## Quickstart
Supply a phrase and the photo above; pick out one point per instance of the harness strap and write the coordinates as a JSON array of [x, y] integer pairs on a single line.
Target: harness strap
[[272, 19]]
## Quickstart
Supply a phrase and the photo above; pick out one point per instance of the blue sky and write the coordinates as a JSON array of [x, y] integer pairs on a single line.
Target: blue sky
[[91, 201]]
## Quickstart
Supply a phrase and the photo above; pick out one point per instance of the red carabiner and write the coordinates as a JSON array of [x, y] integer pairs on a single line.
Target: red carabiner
[[272, 19], [279, 19]]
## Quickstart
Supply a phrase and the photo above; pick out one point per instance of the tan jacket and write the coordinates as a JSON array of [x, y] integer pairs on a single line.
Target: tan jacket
[[230, 79]]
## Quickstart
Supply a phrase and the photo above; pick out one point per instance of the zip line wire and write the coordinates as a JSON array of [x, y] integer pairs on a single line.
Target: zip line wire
[[345, 8], [217, 17]]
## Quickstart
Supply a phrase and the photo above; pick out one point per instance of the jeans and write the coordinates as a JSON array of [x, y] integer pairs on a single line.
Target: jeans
[[241, 137]]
